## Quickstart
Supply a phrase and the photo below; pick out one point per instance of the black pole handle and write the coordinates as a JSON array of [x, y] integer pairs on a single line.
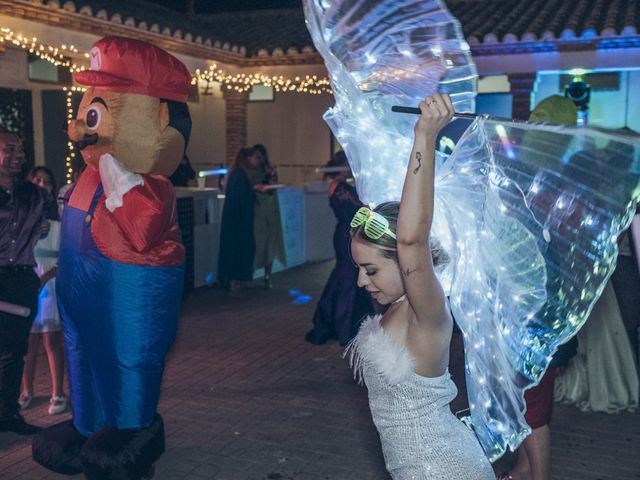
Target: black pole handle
[[416, 111]]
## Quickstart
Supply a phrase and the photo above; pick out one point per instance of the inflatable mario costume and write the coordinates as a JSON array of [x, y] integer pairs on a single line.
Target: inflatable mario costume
[[120, 270]]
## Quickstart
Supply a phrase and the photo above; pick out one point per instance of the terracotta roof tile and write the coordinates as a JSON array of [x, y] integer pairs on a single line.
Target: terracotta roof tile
[[262, 29], [551, 18], [485, 20]]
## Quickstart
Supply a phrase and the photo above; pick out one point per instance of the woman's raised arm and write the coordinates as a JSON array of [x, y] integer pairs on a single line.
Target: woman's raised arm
[[423, 289]]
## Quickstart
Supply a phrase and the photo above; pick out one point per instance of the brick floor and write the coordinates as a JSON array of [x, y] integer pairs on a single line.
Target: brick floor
[[245, 398]]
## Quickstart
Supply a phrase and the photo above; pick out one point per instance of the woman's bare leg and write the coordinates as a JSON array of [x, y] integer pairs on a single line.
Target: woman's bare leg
[[538, 447], [30, 361], [53, 347]]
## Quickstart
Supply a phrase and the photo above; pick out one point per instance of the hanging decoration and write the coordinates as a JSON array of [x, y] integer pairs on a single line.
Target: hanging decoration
[[242, 82], [59, 56], [71, 149]]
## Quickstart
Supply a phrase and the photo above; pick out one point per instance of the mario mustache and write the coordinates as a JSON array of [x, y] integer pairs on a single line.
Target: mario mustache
[[87, 141]]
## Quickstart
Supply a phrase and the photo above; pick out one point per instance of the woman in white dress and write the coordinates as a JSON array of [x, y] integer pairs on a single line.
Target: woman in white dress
[[46, 326], [602, 377], [403, 355]]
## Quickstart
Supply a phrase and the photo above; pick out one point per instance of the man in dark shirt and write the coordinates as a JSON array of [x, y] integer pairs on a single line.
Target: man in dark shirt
[[23, 208]]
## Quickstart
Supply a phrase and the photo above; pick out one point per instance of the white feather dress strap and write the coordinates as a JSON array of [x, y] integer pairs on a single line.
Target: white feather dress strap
[[376, 348]]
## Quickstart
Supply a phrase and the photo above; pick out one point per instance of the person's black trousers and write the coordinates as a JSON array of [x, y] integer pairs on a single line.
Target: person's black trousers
[[18, 285], [626, 283]]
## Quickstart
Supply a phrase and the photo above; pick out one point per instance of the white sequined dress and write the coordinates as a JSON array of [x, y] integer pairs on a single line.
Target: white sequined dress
[[421, 439]]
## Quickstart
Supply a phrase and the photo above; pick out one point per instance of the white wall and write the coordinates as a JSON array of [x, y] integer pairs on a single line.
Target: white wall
[[546, 84], [207, 143], [294, 133], [13, 69], [633, 105], [607, 108], [611, 59], [291, 127]]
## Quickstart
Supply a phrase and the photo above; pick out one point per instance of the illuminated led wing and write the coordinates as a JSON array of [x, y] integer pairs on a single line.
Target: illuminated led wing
[[530, 215], [381, 53]]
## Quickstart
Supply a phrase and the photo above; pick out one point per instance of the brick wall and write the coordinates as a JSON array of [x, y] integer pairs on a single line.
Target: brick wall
[[521, 87]]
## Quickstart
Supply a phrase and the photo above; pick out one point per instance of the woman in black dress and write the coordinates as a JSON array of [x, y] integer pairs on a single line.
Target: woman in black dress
[[342, 304], [237, 242]]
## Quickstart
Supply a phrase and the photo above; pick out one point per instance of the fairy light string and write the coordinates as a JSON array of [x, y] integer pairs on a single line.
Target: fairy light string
[[240, 82], [62, 56], [71, 149]]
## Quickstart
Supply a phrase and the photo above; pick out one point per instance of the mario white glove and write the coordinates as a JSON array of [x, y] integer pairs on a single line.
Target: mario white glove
[[116, 180]]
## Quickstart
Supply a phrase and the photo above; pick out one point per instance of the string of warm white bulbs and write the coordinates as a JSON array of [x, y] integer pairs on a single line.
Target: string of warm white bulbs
[[241, 82]]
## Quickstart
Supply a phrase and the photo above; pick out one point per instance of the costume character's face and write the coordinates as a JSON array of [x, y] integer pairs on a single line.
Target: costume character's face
[[11, 154], [133, 128], [379, 275]]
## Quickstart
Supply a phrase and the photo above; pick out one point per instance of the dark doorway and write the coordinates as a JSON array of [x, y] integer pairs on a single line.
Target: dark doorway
[[54, 119], [16, 116]]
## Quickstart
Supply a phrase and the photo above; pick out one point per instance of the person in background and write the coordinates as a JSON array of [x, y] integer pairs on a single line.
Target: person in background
[[237, 243], [534, 454], [184, 173], [65, 190], [342, 304], [267, 225], [626, 276], [23, 206], [602, 377], [626, 282], [46, 328]]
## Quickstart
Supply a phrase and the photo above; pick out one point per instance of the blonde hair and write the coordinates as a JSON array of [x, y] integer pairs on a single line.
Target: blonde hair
[[388, 246]]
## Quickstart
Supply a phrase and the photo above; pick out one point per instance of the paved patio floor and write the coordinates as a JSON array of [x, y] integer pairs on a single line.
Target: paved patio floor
[[245, 398]]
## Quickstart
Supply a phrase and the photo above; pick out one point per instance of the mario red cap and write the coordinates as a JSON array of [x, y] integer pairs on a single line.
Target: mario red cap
[[126, 65]]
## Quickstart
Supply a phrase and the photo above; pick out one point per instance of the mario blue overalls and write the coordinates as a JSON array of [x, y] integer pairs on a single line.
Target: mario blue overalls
[[119, 322], [121, 261]]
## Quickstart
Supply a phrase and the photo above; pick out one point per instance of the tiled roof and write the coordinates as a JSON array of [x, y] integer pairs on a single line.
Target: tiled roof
[[145, 15], [263, 31], [484, 22], [508, 21], [273, 34], [259, 31]]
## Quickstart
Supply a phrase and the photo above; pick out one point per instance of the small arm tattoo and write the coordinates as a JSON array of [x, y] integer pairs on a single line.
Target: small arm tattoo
[[419, 159], [406, 272]]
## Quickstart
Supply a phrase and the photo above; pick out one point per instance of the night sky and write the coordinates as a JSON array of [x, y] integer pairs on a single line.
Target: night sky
[[217, 6]]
